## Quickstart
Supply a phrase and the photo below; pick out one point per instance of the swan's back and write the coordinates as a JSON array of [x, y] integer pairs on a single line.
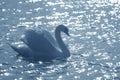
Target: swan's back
[[38, 42]]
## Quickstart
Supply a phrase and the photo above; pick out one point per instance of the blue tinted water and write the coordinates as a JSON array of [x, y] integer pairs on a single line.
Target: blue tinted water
[[94, 43]]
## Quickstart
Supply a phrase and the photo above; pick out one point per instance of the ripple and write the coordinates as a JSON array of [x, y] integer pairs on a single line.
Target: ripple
[[94, 41]]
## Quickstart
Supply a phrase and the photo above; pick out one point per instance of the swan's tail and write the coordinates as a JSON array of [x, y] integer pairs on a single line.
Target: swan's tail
[[22, 51], [14, 48]]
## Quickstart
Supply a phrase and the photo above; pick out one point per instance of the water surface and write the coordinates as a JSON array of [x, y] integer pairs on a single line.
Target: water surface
[[94, 43]]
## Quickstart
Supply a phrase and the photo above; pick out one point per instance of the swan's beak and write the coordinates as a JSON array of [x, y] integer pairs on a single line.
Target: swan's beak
[[68, 34]]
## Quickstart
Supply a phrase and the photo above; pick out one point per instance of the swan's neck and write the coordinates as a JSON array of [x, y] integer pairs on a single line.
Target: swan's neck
[[59, 40]]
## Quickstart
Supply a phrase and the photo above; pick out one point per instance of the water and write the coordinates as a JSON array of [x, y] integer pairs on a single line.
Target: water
[[94, 43]]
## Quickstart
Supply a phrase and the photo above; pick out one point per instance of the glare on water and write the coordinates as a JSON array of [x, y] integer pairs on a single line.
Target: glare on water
[[94, 42]]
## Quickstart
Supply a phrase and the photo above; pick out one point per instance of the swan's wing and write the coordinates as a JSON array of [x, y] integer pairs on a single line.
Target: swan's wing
[[38, 42], [49, 37]]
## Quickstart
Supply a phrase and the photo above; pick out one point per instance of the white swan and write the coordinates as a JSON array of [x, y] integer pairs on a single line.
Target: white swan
[[42, 46]]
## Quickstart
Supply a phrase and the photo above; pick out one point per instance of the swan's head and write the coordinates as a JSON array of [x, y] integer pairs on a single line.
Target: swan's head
[[64, 29]]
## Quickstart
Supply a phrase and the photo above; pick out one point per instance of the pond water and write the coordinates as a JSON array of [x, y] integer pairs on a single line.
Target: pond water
[[94, 43]]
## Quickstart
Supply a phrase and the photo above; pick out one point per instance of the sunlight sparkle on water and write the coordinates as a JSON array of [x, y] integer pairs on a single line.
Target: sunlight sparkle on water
[[34, 1], [93, 43], [114, 1]]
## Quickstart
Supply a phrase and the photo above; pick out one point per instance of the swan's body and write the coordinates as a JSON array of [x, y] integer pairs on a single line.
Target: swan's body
[[42, 46]]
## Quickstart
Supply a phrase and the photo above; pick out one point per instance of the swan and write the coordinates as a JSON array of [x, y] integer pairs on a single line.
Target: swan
[[41, 46]]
